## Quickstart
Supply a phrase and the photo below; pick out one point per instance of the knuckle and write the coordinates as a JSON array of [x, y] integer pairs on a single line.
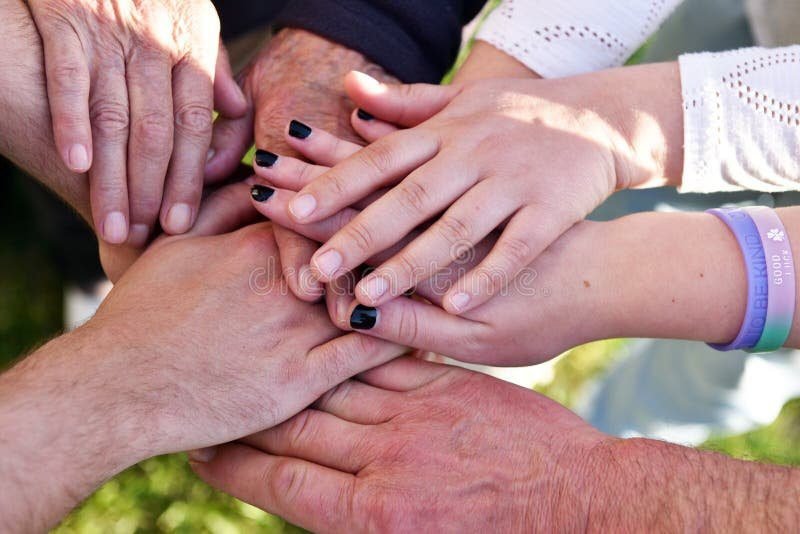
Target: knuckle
[[153, 134], [69, 78], [413, 196], [110, 119], [254, 242], [335, 185], [300, 430], [514, 251], [378, 157], [287, 481], [194, 120], [408, 327], [453, 229], [360, 235], [408, 265]]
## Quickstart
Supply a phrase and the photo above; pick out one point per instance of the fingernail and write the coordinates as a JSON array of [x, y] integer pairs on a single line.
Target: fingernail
[[367, 81], [210, 154], [364, 116], [264, 158], [202, 455], [363, 317], [329, 262], [298, 130], [115, 228], [303, 206], [138, 235], [374, 287], [179, 218], [261, 193], [459, 301], [78, 158]]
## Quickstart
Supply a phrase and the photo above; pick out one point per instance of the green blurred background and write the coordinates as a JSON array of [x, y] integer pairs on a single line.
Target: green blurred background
[[43, 248]]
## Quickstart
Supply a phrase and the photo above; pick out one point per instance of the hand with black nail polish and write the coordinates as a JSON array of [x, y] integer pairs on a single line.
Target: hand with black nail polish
[[528, 157]]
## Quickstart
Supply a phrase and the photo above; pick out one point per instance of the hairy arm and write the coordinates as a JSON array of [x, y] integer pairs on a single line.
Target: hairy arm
[[645, 484], [64, 432]]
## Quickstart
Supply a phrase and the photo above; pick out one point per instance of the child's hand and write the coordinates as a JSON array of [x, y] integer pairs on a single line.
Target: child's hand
[[509, 330], [534, 157]]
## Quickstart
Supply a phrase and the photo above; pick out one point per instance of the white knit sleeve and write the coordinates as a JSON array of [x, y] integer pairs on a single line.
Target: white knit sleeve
[[564, 38], [741, 112]]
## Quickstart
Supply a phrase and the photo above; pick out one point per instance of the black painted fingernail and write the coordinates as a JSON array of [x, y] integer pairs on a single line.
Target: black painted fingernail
[[261, 193], [363, 317], [264, 158], [298, 130], [363, 115]]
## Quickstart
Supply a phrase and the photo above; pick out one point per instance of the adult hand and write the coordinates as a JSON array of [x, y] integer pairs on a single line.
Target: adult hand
[[296, 74], [416, 446], [131, 87], [182, 354]]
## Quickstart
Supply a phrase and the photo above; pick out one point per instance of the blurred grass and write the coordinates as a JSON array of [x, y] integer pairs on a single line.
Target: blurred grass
[[162, 494]]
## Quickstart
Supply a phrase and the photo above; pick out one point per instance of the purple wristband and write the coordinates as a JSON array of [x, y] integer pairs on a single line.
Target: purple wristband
[[780, 272], [755, 316]]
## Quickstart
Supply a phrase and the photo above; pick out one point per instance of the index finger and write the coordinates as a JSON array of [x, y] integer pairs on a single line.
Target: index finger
[[383, 162]]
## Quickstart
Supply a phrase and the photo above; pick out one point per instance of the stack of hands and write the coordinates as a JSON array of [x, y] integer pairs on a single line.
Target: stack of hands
[[470, 197]]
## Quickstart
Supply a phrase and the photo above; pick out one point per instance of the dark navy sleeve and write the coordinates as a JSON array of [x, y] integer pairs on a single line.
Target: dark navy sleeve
[[415, 40]]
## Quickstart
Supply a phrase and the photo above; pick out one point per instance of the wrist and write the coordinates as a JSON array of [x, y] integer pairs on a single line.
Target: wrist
[[485, 62], [642, 109], [669, 275]]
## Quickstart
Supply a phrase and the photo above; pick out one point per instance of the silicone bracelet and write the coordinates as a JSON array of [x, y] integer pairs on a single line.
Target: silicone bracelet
[[780, 273], [746, 233]]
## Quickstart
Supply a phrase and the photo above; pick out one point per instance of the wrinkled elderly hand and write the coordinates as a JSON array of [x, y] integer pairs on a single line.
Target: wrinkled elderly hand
[[131, 86]]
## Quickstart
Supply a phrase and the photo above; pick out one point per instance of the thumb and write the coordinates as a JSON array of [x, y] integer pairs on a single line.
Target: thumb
[[229, 99], [404, 105]]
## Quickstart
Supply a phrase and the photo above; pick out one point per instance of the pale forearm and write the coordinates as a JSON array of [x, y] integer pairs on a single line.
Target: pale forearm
[[658, 275], [485, 61], [62, 428]]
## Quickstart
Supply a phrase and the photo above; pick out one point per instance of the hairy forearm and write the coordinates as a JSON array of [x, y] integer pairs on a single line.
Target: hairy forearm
[[641, 484], [64, 431], [26, 134]]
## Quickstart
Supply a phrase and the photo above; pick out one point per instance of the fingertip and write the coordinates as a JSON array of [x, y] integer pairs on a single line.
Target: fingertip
[[115, 228], [457, 302], [78, 158], [327, 264], [302, 207], [178, 218], [305, 286], [363, 82]]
